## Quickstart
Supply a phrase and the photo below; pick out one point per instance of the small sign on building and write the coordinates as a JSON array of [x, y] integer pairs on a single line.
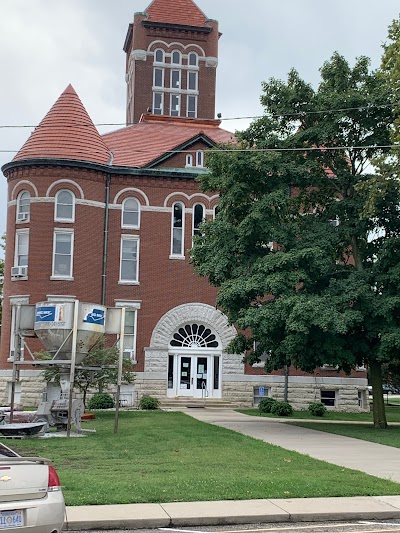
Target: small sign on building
[[261, 391]]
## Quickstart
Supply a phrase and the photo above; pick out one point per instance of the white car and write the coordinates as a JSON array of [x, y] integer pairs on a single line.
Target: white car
[[31, 499]]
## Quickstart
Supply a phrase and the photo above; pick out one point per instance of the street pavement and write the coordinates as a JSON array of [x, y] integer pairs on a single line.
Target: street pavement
[[375, 459]]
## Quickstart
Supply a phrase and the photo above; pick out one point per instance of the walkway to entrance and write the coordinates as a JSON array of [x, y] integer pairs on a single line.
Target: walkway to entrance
[[375, 459]]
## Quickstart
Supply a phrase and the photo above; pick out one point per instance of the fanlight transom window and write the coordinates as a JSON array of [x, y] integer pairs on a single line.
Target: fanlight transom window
[[194, 336]]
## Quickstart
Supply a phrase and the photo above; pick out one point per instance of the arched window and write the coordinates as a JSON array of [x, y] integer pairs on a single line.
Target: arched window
[[23, 206], [130, 213], [177, 244], [64, 206], [198, 218], [216, 210], [176, 57], [194, 336], [189, 160], [159, 56], [193, 59]]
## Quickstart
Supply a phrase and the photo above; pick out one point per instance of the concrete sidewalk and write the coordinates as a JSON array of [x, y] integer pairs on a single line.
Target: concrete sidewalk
[[375, 459], [139, 516]]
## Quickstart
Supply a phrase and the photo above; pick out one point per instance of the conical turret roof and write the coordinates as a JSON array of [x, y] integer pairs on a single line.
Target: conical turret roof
[[66, 132], [184, 12]]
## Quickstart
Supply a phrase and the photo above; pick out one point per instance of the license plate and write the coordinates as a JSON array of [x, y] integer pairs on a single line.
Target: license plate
[[10, 519]]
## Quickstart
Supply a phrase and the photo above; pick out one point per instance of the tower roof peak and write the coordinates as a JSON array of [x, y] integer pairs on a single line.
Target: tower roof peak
[[66, 132], [184, 12]]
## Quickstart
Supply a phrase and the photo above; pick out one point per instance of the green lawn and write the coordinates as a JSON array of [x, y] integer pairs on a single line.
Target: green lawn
[[389, 436], [392, 413], [164, 457]]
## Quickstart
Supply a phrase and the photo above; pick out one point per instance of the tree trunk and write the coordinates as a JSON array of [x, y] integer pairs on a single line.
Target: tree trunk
[[378, 405]]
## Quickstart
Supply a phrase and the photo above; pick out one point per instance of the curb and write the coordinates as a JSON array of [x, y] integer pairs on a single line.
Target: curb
[[214, 513]]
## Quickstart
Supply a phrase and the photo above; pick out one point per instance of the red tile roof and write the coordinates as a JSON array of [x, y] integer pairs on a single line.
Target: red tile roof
[[183, 12], [140, 144], [66, 132]]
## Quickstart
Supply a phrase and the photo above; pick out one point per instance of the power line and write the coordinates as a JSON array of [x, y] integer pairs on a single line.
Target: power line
[[277, 115], [257, 150]]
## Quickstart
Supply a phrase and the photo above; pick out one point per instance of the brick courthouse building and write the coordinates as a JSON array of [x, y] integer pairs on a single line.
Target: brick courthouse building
[[110, 218]]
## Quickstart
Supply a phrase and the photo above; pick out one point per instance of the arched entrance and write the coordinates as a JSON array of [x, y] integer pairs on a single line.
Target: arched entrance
[[194, 336]]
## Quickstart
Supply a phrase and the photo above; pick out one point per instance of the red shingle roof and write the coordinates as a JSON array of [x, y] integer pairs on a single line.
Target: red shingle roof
[[140, 144], [66, 132], [183, 12]]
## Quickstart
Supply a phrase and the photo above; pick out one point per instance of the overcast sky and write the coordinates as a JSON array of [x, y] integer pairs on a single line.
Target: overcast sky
[[47, 44]]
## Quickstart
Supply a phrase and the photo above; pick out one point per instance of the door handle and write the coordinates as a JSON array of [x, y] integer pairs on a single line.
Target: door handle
[[192, 381]]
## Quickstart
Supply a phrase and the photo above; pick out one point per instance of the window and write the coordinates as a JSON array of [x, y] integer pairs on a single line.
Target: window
[[15, 301], [176, 58], [159, 56], [192, 81], [189, 160], [65, 206], [191, 106], [200, 158], [23, 206], [158, 77], [21, 248], [129, 266], [130, 334], [63, 254], [198, 218], [216, 211], [175, 105], [193, 59], [130, 213], [175, 79], [328, 398], [194, 336], [177, 229], [158, 103]]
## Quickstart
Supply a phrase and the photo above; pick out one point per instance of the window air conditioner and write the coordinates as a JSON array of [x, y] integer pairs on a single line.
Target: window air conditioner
[[19, 272], [23, 217], [130, 355]]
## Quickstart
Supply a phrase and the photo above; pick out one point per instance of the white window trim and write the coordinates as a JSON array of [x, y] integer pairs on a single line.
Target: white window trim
[[131, 306], [129, 238], [201, 154], [162, 100], [194, 91], [179, 96], [155, 54], [196, 107], [14, 301], [182, 254], [197, 60], [189, 157], [158, 88], [58, 231], [335, 400], [60, 219], [193, 211], [179, 87], [28, 215], [16, 255], [180, 58], [130, 226]]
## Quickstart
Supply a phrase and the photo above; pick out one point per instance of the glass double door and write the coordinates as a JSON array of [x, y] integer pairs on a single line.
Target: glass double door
[[194, 376]]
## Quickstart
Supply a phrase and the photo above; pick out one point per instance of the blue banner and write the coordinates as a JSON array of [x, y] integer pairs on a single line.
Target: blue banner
[[97, 316]]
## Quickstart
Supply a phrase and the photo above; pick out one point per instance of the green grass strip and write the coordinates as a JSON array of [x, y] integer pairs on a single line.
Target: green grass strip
[[165, 457]]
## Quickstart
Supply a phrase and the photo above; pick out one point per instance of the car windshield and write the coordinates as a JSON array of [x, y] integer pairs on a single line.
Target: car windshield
[[6, 452]]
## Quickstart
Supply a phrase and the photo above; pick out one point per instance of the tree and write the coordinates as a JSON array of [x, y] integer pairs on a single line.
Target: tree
[[104, 359], [327, 292]]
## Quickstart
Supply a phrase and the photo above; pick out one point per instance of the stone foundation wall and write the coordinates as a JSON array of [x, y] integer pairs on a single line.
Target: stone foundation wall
[[240, 390]]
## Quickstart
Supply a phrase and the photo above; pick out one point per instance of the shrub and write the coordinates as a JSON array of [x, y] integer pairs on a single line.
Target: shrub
[[317, 409], [100, 400], [266, 404], [149, 403], [282, 409]]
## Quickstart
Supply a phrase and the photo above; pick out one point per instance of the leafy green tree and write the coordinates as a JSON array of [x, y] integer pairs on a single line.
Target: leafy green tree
[[328, 291], [104, 360]]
